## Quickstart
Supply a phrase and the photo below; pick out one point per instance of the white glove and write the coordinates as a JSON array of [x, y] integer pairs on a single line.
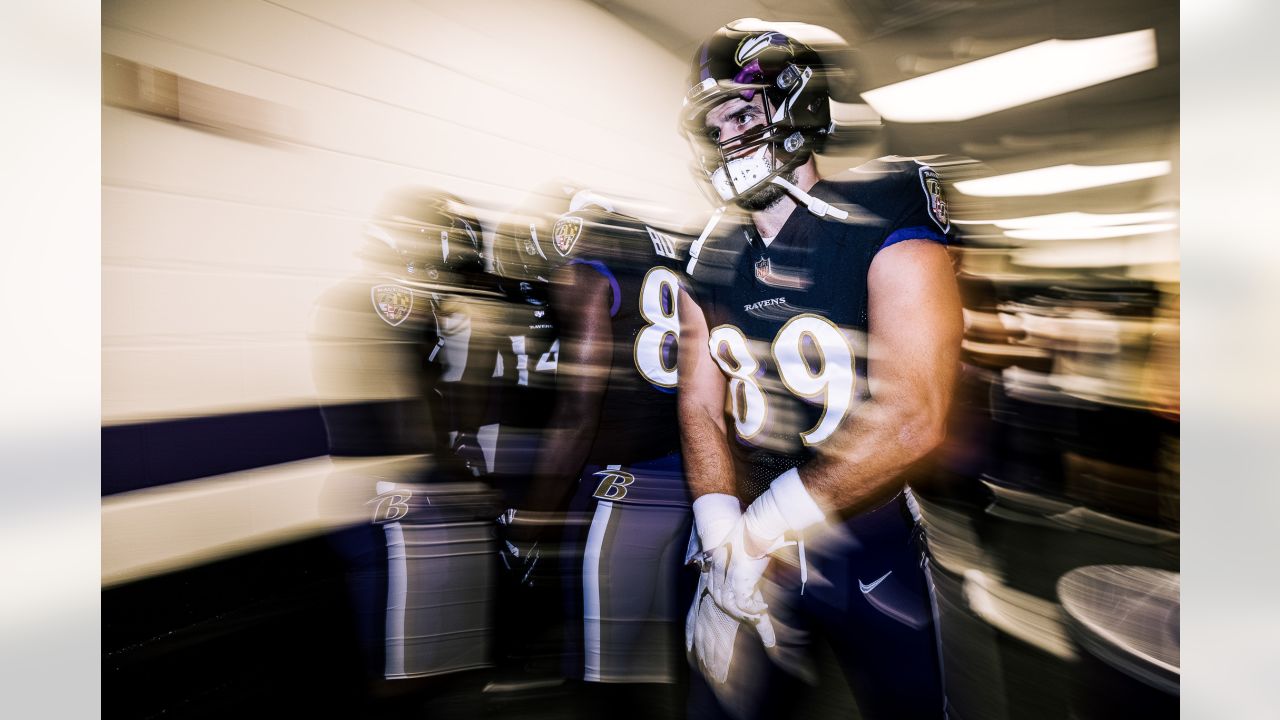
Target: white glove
[[711, 633], [709, 630], [736, 576], [736, 571], [714, 515]]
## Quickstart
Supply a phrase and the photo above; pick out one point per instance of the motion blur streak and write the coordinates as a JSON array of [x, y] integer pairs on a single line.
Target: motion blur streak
[[336, 334], [1089, 233]]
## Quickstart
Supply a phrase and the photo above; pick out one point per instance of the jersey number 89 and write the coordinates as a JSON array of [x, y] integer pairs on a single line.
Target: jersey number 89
[[832, 383]]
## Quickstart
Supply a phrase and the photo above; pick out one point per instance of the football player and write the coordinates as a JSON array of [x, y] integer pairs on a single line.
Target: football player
[[613, 443], [410, 327], [439, 240], [524, 377], [819, 346], [525, 368], [401, 363]]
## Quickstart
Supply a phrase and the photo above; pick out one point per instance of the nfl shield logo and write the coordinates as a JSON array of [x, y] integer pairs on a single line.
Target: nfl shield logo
[[392, 303], [764, 269], [566, 233]]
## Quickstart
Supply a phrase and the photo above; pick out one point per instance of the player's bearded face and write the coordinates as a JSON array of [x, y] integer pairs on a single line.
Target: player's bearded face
[[765, 196], [730, 120]]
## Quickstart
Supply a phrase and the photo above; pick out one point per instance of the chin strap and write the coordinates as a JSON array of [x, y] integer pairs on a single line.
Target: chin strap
[[696, 248], [815, 206]]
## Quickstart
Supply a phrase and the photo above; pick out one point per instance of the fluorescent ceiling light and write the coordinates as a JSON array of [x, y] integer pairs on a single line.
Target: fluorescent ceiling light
[[1061, 178], [1089, 233], [854, 114], [1015, 78], [1071, 220]]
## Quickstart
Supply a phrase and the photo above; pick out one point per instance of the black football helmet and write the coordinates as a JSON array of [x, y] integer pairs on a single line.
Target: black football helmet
[[434, 236], [523, 244], [521, 248], [743, 59]]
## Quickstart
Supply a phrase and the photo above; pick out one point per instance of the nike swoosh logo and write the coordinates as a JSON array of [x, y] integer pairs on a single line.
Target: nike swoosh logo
[[865, 588]]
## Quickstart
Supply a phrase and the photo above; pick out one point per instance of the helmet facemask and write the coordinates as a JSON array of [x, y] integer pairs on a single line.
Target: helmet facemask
[[742, 168], [744, 60]]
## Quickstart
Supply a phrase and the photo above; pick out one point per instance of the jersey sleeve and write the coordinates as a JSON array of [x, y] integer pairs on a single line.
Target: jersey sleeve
[[581, 238], [586, 236], [921, 208]]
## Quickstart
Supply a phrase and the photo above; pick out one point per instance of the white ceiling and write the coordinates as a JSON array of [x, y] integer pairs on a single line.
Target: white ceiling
[[1127, 120]]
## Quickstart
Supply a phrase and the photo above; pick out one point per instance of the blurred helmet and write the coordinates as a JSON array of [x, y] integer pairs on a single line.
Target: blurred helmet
[[523, 244], [431, 232], [744, 60], [520, 248]]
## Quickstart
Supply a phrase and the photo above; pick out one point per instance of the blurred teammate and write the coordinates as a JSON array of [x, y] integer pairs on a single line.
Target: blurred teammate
[[613, 443], [530, 632], [410, 336], [402, 360], [819, 346], [525, 371]]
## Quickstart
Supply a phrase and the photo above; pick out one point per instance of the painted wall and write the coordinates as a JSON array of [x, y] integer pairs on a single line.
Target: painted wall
[[221, 228]]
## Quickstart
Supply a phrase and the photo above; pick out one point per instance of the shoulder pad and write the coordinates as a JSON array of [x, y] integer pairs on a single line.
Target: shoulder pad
[[665, 245], [593, 231]]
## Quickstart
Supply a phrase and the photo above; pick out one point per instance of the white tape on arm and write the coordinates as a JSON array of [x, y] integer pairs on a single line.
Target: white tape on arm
[[714, 515], [786, 505]]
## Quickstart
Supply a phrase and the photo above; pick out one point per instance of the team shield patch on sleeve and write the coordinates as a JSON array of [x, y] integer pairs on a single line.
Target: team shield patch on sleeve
[[934, 201], [393, 303], [567, 231]]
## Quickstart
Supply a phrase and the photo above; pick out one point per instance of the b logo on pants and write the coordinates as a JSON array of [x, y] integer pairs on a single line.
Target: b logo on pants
[[613, 484], [391, 506]]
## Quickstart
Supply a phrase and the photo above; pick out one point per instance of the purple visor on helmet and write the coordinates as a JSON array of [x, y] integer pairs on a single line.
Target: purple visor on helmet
[[751, 74]]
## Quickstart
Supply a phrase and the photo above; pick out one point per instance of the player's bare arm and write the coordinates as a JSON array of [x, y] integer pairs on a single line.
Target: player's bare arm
[[586, 351], [709, 471], [914, 325], [703, 434]]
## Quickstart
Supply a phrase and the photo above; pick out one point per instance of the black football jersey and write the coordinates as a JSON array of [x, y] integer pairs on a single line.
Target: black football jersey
[[643, 265], [528, 352], [470, 333], [787, 321], [371, 336]]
